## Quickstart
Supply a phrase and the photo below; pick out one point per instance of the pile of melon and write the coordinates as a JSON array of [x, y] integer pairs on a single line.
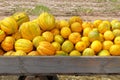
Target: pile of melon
[[47, 36]]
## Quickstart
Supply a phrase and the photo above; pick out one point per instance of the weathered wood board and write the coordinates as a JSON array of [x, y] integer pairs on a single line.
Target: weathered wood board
[[60, 65]]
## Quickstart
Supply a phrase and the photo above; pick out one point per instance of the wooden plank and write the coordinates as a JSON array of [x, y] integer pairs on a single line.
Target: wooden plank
[[53, 65]]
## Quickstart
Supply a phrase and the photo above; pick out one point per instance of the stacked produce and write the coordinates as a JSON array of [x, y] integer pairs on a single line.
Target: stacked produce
[[46, 36]]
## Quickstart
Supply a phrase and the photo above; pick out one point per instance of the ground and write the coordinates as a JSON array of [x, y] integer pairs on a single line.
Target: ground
[[88, 10]]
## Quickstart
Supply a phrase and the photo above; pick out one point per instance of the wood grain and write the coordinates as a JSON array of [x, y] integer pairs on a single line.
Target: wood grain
[[60, 65]]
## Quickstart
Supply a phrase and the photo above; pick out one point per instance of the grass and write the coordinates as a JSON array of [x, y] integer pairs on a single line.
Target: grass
[[38, 9], [34, 11]]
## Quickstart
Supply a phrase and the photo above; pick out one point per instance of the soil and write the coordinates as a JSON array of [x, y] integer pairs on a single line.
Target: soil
[[63, 9]]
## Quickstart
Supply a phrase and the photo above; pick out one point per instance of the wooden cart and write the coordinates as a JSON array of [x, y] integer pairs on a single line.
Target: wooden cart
[[51, 65]]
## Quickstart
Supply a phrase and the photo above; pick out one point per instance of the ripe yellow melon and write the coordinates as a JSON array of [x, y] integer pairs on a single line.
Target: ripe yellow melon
[[96, 46], [86, 31], [33, 53], [2, 35], [107, 22], [107, 44], [88, 52], [116, 32], [94, 35], [65, 32], [46, 21], [87, 24], [59, 39], [114, 21], [115, 50], [48, 36], [108, 35], [75, 19], [67, 46], [96, 23], [75, 53], [103, 27], [86, 40], [46, 49], [37, 40], [9, 53], [56, 45], [117, 40], [8, 43], [24, 45], [63, 23], [80, 46], [19, 53], [104, 53], [116, 25], [61, 53], [76, 27], [74, 37]]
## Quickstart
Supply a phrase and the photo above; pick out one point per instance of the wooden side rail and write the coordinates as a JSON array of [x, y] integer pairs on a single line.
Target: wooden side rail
[[60, 65], [47, 65]]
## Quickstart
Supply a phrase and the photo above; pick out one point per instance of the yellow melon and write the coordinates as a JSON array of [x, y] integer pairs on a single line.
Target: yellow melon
[[80, 46], [33, 53], [96, 46], [88, 52], [96, 23], [108, 35], [116, 32], [67, 46], [65, 32], [56, 45], [76, 27], [2, 35], [61, 53], [117, 40], [86, 40], [74, 53], [46, 49], [75, 19], [74, 37], [19, 53], [59, 39], [116, 25], [103, 27], [107, 44], [104, 53], [87, 24], [86, 31], [115, 50], [63, 23], [114, 21], [94, 35], [37, 40], [48, 36]]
